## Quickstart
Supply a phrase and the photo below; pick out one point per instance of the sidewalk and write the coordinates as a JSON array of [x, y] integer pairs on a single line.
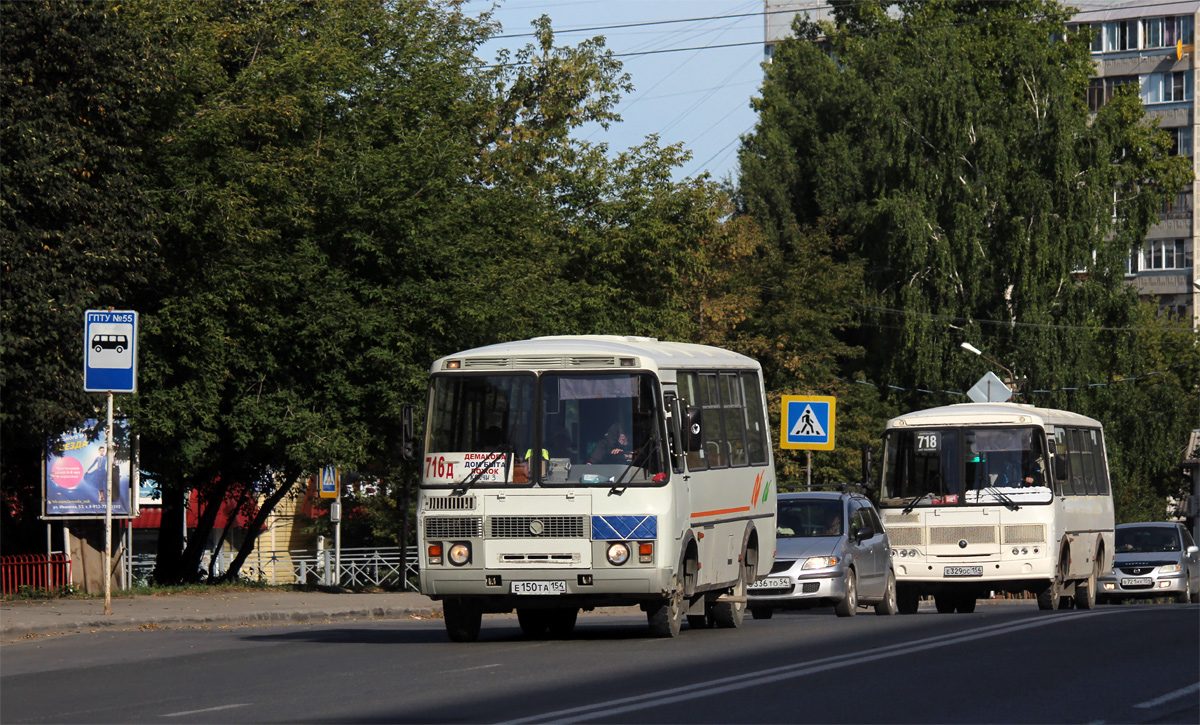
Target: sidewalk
[[22, 618]]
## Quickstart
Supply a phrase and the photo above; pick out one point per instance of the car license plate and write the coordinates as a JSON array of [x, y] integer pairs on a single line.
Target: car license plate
[[963, 571], [539, 587], [777, 582], [1137, 582]]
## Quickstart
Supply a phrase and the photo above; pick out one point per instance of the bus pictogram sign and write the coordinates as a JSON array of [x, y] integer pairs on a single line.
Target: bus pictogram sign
[[110, 351]]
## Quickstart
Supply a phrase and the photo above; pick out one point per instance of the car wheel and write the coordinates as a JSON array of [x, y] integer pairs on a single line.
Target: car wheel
[[761, 612], [463, 619], [944, 602], [908, 599], [888, 606], [848, 607]]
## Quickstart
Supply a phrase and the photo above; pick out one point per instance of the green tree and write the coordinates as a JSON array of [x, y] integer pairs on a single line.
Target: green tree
[[75, 219], [950, 147]]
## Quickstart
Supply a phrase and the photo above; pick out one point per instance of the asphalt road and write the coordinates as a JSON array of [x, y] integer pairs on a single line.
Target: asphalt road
[[1002, 664]]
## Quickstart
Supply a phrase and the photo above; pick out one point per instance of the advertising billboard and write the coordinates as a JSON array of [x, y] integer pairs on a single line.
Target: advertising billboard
[[73, 478]]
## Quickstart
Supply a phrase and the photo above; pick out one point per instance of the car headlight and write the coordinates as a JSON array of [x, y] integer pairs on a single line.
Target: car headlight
[[820, 562], [459, 554], [1168, 568], [617, 554]]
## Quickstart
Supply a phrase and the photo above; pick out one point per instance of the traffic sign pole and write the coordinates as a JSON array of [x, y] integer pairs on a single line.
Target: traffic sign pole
[[108, 456]]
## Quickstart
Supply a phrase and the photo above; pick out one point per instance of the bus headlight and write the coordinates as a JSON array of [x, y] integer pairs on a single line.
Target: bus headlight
[[617, 554], [820, 562], [459, 554]]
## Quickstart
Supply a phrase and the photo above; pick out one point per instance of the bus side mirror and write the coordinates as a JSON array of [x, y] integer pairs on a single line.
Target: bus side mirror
[[407, 446], [675, 431], [1060, 467], [695, 431]]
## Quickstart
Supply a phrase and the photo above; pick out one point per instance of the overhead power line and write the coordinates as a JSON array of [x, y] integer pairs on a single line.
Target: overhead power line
[[1012, 323]]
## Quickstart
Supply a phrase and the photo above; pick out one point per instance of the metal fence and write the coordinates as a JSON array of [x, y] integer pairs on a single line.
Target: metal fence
[[367, 566], [35, 571]]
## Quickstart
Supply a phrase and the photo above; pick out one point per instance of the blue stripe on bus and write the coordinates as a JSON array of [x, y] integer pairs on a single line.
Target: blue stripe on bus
[[624, 528]]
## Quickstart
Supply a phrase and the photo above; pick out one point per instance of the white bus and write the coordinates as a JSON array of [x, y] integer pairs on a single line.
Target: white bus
[[1001, 497], [567, 473]]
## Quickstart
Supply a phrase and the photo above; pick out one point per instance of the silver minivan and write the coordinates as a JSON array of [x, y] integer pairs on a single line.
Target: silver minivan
[[831, 550], [1152, 560]]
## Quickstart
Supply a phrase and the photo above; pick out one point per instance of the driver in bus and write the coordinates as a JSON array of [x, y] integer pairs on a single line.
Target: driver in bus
[[613, 448]]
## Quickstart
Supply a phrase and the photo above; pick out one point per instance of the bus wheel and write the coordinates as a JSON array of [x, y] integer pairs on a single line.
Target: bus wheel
[[761, 612], [666, 618], [700, 621], [848, 607], [562, 622], [965, 604], [729, 615], [945, 603], [533, 621], [1085, 591], [463, 619], [1051, 597], [908, 599]]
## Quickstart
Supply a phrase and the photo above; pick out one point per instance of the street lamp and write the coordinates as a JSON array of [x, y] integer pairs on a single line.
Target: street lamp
[[1012, 379]]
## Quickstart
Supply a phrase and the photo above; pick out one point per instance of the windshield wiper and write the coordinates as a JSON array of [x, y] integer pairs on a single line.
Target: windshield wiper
[[913, 504], [461, 487], [1004, 499], [636, 461]]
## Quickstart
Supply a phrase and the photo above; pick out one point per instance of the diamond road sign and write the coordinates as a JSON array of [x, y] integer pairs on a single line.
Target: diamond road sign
[[110, 351], [807, 422]]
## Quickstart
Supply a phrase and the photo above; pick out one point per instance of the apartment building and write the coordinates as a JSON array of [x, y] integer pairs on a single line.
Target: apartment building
[[1152, 44], [1148, 43]]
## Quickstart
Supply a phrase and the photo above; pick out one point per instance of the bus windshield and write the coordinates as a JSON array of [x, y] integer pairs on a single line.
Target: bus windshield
[[601, 429], [595, 429], [957, 466]]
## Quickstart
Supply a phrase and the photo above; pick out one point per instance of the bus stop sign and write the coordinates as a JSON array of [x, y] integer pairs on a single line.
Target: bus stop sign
[[110, 351]]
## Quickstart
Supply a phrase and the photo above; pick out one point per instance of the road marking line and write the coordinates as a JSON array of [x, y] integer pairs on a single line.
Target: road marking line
[[1181, 692], [469, 669], [607, 710], [207, 709]]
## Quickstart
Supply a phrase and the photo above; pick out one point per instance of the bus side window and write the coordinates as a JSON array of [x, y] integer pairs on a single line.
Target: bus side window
[[733, 411], [1063, 461], [1098, 460], [1088, 452], [714, 429], [756, 428], [1079, 488]]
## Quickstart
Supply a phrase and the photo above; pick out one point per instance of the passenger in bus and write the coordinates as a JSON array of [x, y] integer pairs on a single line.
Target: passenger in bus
[[613, 448]]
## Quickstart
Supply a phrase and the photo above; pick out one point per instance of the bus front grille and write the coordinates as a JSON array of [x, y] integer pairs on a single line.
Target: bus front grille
[[450, 503], [905, 536], [1024, 534], [537, 527], [453, 527], [901, 519], [954, 534]]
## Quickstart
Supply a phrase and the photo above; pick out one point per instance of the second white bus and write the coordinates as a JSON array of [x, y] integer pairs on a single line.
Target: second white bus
[[996, 497]]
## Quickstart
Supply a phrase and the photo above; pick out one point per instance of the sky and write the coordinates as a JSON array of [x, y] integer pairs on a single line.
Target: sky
[[698, 97]]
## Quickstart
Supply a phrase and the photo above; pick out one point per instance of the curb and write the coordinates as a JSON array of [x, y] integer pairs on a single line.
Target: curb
[[18, 631]]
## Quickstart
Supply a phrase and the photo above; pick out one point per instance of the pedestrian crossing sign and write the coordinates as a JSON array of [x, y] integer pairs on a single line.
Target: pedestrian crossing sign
[[807, 422]]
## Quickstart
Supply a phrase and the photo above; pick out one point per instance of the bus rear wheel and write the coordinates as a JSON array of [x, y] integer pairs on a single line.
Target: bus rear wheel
[[945, 603], [1085, 591], [463, 619], [728, 615], [908, 599], [533, 621]]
